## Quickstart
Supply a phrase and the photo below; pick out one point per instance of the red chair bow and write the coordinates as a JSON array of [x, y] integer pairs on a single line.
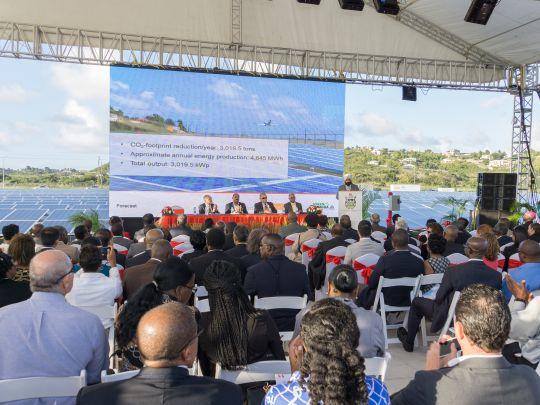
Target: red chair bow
[[512, 263], [289, 242], [365, 271], [334, 259], [309, 250]]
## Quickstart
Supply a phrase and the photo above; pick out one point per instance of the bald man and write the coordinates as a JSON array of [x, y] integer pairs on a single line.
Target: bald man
[[529, 271], [143, 256], [456, 278], [44, 335], [167, 339], [142, 274]]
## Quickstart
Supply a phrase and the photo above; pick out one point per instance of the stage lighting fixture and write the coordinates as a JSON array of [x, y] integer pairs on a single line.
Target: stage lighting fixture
[[352, 4], [408, 93], [480, 11], [316, 2], [387, 6]]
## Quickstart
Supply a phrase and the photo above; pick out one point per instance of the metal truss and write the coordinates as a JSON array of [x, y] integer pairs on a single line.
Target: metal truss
[[526, 79], [236, 21], [94, 47]]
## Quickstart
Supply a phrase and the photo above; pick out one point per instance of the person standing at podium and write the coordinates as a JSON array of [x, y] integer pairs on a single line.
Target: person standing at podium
[[347, 185], [264, 206], [208, 207], [236, 207]]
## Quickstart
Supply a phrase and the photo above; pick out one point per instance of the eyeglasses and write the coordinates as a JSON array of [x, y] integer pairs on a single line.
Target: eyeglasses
[[264, 198], [61, 278], [193, 289]]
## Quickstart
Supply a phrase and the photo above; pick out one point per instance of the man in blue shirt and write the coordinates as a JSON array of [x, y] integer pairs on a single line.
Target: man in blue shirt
[[44, 336], [529, 254]]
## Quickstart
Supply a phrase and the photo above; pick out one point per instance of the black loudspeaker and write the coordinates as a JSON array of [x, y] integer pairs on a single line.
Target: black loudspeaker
[[387, 6], [409, 93], [357, 5], [496, 191], [480, 11], [491, 217], [316, 2]]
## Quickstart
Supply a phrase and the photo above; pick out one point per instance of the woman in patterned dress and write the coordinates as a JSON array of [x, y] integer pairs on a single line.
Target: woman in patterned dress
[[436, 263], [327, 368], [22, 249]]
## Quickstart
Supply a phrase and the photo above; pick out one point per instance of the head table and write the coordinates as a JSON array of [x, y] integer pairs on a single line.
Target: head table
[[250, 220]]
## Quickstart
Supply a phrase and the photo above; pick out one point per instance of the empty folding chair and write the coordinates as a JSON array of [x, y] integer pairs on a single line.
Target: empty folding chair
[[430, 279], [380, 236], [457, 258], [256, 372], [364, 266], [308, 250], [281, 302], [384, 309], [289, 241], [377, 366], [19, 389], [450, 316]]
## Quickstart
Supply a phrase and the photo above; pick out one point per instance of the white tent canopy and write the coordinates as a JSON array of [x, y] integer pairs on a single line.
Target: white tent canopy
[[433, 31]]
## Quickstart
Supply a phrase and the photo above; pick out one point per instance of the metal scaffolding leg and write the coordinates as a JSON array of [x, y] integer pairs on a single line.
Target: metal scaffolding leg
[[521, 132], [236, 22]]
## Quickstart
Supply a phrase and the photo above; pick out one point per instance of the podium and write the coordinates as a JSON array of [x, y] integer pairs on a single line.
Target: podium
[[350, 203]]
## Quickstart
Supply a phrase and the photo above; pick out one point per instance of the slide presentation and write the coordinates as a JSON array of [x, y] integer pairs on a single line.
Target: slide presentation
[[177, 136]]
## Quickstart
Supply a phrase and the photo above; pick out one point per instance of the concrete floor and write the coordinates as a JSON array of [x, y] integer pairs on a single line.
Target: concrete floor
[[403, 366]]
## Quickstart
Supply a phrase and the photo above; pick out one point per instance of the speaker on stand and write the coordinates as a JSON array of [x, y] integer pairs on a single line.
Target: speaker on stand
[[495, 195]]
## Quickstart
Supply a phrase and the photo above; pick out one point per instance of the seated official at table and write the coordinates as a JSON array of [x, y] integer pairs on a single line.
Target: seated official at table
[[264, 206], [208, 207], [292, 205], [236, 207]]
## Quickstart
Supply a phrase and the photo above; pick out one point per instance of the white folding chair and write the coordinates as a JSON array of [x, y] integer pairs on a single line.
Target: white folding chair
[[289, 241], [367, 261], [126, 375], [430, 279], [380, 236], [514, 261], [327, 235], [281, 302], [107, 314], [505, 246], [202, 305], [201, 291], [120, 249], [256, 372], [377, 366], [182, 248], [179, 240], [384, 309], [450, 316], [334, 257], [414, 249], [457, 258], [308, 250], [19, 389], [350, 241]]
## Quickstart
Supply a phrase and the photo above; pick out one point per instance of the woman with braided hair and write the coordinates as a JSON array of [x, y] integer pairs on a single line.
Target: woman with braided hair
[[235, 333], [327, 368]]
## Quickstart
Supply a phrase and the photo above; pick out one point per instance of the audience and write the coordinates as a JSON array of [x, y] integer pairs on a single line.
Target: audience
[[81, 233], [491, 257], [167, 339], [400, 224], [11, 291], [525, 327], [276, 275], [292, 225], [519, 234], [481, 375], [528, 218], [534, 232], [89, 226], [207, 225], [182, 227], [142, 274], [147, 220], [501, 232], [48, 237], [312, 232], [463, 235], [436, 263], [343, 286], [456, 278], [348, 231], [8, 232], [35, 233], [365, 245], [22, 249], [173, 280], [375, 219], [62, 245], [253, 247], [398, 263], [235, 333], [215, 240], [152, 236], [240, 236], [90, 286], [323, 223], [229, 234], [52, 338], [529, 271], [451, 234], [327, 368], [117, 231], [105, 236], [317, 266], [197, 239]]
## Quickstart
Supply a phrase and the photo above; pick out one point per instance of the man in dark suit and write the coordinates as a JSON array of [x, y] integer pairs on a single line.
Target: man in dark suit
[[198, 241], [451, 234], [375, 221], [292, 205], [142, 274], [264, 206], [455, 278], [399, 263], [152, 236], [240, 236], [147, 220], [182, 227], [208, 207], [317, 266], [348, 231], [501, 231], [276, 276], [347, 185], [167, 339], [118, 238], [481, 375], [236, 207], [215, 239]]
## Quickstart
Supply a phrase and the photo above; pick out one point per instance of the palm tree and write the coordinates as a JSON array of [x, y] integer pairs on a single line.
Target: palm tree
[[79, 217], [368, 197], [458, 206]]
